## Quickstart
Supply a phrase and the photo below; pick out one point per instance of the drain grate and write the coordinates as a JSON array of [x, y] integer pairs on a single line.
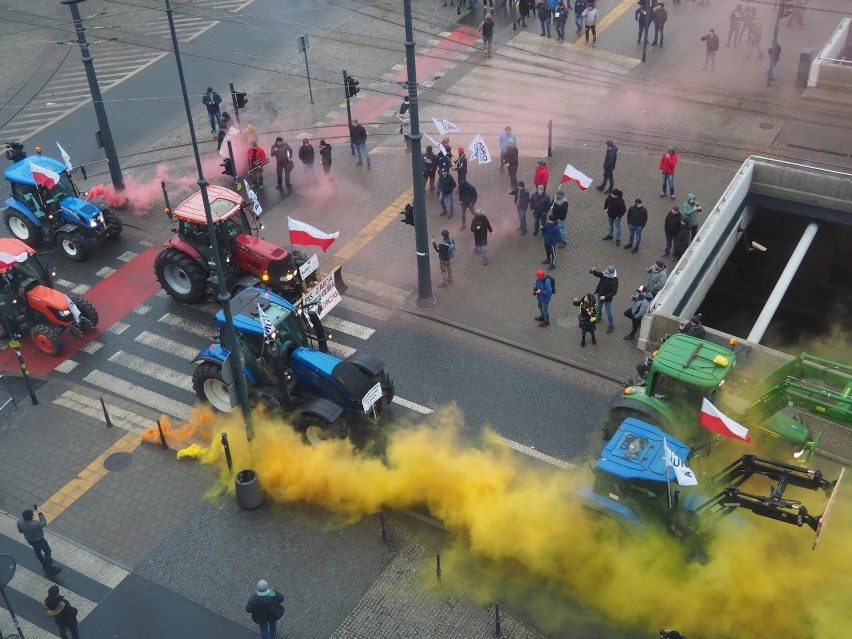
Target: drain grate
[[118, 461], [766, 125]]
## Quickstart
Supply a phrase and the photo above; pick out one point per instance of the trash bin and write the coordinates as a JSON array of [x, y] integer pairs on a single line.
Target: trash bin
[[804, 70], [248, 491]]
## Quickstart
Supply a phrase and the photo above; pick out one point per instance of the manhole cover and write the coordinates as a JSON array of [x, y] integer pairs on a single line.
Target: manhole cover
[[118, 461], [766, 125]]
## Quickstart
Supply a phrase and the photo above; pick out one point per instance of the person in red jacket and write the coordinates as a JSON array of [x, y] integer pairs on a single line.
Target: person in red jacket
[[256, 160], [667, 168], [542, 175]]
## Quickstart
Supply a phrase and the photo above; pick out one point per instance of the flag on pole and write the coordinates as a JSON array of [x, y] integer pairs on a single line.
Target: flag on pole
[[265, 322], [231, 135], [445, 126], [75, 312], [479, 150], [437, 144], [574, 175], [685, 476], [65, 158], [305, 234], [44, 176], [10, 259], [714, 419], [256, 208]]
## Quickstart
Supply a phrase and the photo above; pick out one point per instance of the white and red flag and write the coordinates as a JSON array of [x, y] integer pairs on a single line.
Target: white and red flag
[[305, 234], [714, 419], [575, 175], [10, 259], [44, 176]]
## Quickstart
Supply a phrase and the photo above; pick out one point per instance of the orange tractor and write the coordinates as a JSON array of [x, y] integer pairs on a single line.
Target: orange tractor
[[30, 304]]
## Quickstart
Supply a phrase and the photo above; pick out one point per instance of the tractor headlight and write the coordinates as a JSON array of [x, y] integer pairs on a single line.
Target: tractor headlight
[[289, 277], [93, 222], [64, 312]]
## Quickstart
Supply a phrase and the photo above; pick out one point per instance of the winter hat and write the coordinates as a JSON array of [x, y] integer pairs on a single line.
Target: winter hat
[[642, 289], [617, 193], [670, 149], [445, 233], [539, 274], [461, 149], [480, 212], [262, 587], [609, 271], [541, 162], [540, 187], [660, 263], [521, 184], [209, 89], [696, 319], [53, 591], [510, 141], [638, 201], [560, 193], [609, 142]]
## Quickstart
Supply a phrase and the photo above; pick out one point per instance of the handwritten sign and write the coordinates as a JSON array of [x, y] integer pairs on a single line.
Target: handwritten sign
[[371, 397], [324, 295], [309, 267]]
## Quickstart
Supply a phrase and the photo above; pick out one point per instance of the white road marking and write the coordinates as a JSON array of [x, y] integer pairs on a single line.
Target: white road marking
[[347, 327], [339, 350], [91, 407], [208, 331], [127, 256], [417, 408], [106, 271], [167, 345], [118, 328], [152, 369], [532, 452], [66, 367], [92, 347], [365, 308], [35, 586], [138, 394]]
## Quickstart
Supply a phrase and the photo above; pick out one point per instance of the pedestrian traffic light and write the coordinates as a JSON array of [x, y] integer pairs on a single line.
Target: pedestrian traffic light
[[228, 167], [408, 215], [240, 99], [351, 87]]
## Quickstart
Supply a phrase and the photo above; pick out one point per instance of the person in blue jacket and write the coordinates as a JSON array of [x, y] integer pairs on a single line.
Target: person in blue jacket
[[550, 234], [543, 291]]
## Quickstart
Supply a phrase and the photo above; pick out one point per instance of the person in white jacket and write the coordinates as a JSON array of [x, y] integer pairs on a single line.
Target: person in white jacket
[[591, 16]]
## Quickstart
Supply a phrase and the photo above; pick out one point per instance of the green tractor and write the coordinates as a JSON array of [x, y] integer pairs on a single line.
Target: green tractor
[[686, 370]]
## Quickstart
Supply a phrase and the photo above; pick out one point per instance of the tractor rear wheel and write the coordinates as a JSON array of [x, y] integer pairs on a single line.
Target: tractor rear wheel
[[46, 339], [114, 224], [72, 245], [22, 228], [211, 388], [181, 276], [315, 429], [88, 314]]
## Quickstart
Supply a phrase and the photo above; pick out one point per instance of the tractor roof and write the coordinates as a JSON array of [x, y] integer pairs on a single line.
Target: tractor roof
[[694, 361], [636, 452], [21, 173], [10, 249], [223, 204], [244, 309]]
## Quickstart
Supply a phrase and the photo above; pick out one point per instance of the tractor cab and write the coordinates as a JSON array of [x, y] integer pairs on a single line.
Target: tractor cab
[[22, 275]]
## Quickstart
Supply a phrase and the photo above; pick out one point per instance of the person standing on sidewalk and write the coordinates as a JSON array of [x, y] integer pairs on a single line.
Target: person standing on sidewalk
[[643, 17], [461, 165], [359, 139], [486, 28], [560, 212], [606, 289], [522, 205], [659, 17], [430, 167], [283, 155], [637, 218], [212, 100], [749, 16], [543, 291], [797, 13], [658, 274], [668, 162], [588, 317], [33, 532], [590, 16], [560, 18], [774, 56], [736, 23], [539, 205], [671, 225], [615, 209], [512, 161], [481, 227], [712, 42], [637, 311], [609, 166], [265, 609], [325, 159], [542, 175], [754, 39], [579, 8], [256, 161], [446, 186], [306, 157], [446, 250], [550, 235], [691, 208], [467, 199], [543, 13], [504, 145], [65, 615]]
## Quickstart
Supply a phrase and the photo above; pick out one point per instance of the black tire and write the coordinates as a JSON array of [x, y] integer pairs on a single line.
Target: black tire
[[89, 317], [114, 225], [210, 388], [181, 276], [315, 429], [21, 227], [47, 339], [72, 245]]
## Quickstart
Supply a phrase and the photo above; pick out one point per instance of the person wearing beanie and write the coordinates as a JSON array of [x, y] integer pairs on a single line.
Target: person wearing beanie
[[560, 212], [659, 273], [446, 186], [615, 210], [467, 199], [691, 208], [540, 203], [512, 161], [63, 613], [522, 204], [606, 289], [265, 609], [481, 227], [430, 167], [212, 100], [504, 144], [33, 532], [542, 175], [610, 159], [637, 218], [325, 159], [283, 155], [550, 235], [637, 311], [667, 169], [461, 165], [543, 291], [446, 249], [306, 157], [694, 327]]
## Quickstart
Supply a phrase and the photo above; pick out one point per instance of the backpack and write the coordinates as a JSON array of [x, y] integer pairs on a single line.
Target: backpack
[[552, 284], [451, 248]]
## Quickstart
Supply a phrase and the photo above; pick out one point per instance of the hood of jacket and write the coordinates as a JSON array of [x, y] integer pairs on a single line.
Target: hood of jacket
[[609, 272]]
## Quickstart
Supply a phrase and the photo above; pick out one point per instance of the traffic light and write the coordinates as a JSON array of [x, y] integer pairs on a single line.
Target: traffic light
[[228, 167], [351, 87], [408, 213], [240, 99]]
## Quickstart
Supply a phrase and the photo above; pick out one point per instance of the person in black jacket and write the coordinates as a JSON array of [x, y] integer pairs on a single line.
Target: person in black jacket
[[430, 167], [467, 199], [615, 210], [637, 218], [446, 186], [609, 166], [283, 155], [481, 227], [325, 158], [307, 156], [512, 162], [671, 225], [444, 248], [660, 17], [522, 204], [265, 609], [606, 289], [63, 613], [540, 204], [461, 165], [359, 138]]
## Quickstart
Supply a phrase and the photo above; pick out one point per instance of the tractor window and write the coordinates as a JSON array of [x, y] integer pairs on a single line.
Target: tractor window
[[220, 207], [25, 193], [63, 188], [684, 398], [252, 343]]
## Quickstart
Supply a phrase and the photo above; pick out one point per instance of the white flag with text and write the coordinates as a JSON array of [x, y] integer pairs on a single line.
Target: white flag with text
[[479, 150], [685, 476], [445, 126]]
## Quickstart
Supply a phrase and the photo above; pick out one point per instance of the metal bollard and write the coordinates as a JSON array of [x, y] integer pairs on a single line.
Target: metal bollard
[[106, 414], [227, 448], [550, 138], [438, 566], [162, 435], [498, 631], [382, 528]]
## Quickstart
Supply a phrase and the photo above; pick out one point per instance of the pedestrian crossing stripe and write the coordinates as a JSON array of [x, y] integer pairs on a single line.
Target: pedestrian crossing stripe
[[91, 407]]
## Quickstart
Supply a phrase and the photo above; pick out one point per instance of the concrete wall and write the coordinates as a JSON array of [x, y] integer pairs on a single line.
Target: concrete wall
[[829, 54], [801, 183]]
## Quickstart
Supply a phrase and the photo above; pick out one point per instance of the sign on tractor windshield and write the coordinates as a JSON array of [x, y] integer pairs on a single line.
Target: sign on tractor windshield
[[325, 294]]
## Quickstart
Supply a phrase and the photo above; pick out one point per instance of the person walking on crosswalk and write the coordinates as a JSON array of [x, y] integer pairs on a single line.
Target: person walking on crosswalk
[[63, 613], [33, 532]]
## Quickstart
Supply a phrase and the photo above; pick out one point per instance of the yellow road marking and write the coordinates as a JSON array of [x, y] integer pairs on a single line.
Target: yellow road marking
[[611, 17], [374, 227], [88, 477]]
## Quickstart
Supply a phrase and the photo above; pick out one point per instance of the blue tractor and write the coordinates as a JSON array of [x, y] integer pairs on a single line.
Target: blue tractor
[[35, 213], [288, 364]]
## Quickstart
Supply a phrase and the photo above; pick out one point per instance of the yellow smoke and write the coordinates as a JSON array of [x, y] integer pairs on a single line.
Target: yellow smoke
[[761, 579]]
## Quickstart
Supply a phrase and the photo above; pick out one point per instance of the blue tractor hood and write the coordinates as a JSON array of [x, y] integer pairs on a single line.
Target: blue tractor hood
[[81, 208], [635, 452]]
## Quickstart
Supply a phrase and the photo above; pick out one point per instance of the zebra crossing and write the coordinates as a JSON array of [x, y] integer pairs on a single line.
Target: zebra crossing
[[115, 61], [86, 580]]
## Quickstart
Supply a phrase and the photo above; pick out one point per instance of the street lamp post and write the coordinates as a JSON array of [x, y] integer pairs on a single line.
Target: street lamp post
[[425, 297], [100, 112], [223, 297]]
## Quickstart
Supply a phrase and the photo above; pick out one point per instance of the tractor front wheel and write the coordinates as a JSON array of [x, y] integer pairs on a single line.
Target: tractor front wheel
[[22, 228], [114, 225], [211, 388], [46, 339], [181, 276], [88, 314], [72, 245]]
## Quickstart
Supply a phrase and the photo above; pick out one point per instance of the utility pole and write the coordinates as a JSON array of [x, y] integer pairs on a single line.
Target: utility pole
[[223, 297], [104, 133], [348, 111], [425, 296]]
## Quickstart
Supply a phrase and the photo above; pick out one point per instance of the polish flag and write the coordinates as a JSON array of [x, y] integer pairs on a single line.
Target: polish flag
[[573, 175], [714, 419], [305, 234], [44, 176], [8, 260]]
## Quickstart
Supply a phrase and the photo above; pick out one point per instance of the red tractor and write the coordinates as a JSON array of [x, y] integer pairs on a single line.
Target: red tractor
[[185, 267], [29, 303]]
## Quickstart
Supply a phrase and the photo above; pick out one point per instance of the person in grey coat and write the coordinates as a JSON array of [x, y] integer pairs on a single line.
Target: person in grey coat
[[637, 311], [33, 532]]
